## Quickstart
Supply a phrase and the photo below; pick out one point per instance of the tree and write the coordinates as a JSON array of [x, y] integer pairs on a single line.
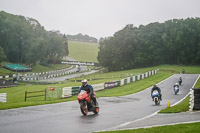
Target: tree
[[2, 55], [172, 42], [24, 40]]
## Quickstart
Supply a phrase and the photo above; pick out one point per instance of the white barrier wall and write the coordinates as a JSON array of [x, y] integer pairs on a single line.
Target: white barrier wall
[[3, 97], [122, 82], [142, 76], [128, 80], [67, 92], [149, 73], [133, 78], [98, 87], [146, 74], [138, 77]]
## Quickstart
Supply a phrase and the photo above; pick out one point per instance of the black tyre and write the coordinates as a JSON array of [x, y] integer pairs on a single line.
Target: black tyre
[[84, 109], [156, 102], [96, 111]]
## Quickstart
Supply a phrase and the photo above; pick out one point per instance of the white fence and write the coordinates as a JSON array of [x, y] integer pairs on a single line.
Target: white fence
[[3, 97]]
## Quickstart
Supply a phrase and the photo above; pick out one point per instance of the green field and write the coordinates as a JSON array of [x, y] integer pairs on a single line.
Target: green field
[[83, 51]]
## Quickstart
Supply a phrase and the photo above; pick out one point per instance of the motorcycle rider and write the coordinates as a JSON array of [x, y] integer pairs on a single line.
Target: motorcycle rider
[[85, 86], [155, 87], [183, 71], [176, 84], [180, 80]]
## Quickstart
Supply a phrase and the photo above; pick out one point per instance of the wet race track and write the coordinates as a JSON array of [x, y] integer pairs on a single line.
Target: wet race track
[[67, 118]]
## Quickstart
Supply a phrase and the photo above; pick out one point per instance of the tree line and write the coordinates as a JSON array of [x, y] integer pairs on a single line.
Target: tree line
[[175, 41], [24, 40], [82, 38]]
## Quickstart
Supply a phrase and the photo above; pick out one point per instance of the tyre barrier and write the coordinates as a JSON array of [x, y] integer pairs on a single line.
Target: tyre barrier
[[194, 99]]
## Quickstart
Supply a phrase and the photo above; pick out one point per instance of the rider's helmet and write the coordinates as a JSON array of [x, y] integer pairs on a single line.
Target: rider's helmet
[[84, 82], [176, 83], [154, 86]]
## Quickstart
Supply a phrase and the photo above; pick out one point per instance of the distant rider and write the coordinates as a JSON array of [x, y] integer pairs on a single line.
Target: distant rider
[[85, 86], [155, 87], [183, 71], [180, 81]]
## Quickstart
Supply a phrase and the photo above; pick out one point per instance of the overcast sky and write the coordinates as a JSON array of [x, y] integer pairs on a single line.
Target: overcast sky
[[100, 18]]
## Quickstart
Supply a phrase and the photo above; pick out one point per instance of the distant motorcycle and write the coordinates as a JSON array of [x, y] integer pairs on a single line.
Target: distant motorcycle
[[176, 90], [156, 97], [180, 81], [86, 104]]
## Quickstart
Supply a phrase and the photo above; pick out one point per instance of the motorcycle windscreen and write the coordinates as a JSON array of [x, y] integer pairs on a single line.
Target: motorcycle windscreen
[[82, 95]]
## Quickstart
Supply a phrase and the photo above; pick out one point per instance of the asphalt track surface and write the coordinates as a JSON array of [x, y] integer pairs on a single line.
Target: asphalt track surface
[[115, 112]]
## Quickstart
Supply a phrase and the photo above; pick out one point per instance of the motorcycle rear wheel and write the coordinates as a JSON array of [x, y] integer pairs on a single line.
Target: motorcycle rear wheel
[[96, 111], [156, 102]]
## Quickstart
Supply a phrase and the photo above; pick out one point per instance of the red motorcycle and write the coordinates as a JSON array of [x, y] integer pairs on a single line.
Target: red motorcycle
[[86, 103]]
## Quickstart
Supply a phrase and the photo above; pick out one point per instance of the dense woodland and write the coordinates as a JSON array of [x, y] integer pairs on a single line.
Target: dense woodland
[[175, 41], [82, 38], [24, 40]]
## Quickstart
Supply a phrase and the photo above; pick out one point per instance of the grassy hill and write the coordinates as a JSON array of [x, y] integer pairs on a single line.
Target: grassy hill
[[83, 51]]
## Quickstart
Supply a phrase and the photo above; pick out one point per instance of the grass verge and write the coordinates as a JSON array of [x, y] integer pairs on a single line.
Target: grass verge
[[181, 107], [180, 128]]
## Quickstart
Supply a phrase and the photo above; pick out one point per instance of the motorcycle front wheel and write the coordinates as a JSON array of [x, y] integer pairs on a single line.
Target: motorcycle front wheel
[[84, 109]]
